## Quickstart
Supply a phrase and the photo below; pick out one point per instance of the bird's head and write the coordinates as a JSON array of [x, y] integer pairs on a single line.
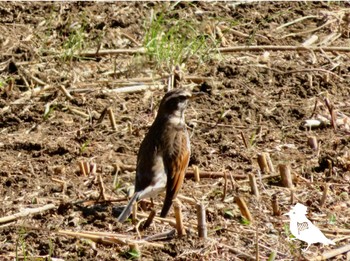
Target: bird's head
[[174, 103], [297, 211]]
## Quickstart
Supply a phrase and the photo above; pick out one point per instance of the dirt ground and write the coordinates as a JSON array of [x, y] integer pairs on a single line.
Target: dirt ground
[[57, 79]]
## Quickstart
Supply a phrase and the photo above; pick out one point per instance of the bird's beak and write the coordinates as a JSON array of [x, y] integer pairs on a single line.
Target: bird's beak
[[286, 214], [196, 95]]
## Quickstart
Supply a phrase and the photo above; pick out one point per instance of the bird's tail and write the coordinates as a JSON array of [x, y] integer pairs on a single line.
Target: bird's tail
[[327, 241], [330, 242], [168, 201], [127, 210]]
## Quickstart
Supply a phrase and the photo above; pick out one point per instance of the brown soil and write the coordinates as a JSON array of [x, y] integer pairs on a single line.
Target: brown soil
[[263, 96]]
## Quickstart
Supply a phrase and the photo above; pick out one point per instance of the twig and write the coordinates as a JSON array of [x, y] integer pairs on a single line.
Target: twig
[[197, 79], [62, 182], [65, 92], [196, 173], [332, 113], [102, 189], [161, 236], [78, 112], [243, 208], [276, 211], [112, 52], [81, 167], [329, 39], [171, 222], [26, 96], [330, 167], [225, 187], [286, 177], [312, 142], [244, 140], [310, 30], [310, 40], [178, 217], [263, 163], [187, 199], [312, 70], [260, 48], [86, 166], [269, 163], [292, 197], [112, 118], [135, 88], [257, 243], [102, 115], [295, 21], [337, 231], [228, 49], [26, 212], [253, 185], [332, 253], [35, 79], [324, 195], [201, 219], [107, 239], [130, 38]]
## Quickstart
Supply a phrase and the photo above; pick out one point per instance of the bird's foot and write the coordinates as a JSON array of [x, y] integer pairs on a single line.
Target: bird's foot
[[304, 250]]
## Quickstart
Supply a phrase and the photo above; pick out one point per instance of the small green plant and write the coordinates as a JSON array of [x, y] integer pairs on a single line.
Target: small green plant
[[75, 42], [75, 33], [171, 41], [21, 245], [244, 221], [132, 254], [228, 213], [48, 111], [252, 140], [84, 146], [333, 219], [51, 248], [272, 256], [287, 232]]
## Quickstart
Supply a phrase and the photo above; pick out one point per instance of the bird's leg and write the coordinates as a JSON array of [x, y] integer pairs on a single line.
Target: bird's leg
[[304, 250]]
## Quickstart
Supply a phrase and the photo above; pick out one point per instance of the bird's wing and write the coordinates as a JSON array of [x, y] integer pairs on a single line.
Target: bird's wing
[[176, 158], [147, 160], [318, 234], [310, 233]]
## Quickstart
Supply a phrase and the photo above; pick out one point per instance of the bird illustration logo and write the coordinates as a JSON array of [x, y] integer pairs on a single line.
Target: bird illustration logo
[[303, 229]]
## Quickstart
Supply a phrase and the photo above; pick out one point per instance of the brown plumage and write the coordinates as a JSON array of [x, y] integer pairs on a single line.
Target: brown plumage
[[164, 153]]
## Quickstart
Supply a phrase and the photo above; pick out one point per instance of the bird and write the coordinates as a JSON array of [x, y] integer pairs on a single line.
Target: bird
[[302, 228], [164, 153]]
